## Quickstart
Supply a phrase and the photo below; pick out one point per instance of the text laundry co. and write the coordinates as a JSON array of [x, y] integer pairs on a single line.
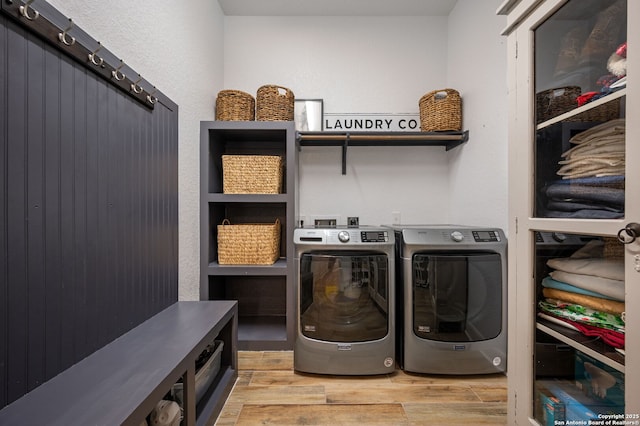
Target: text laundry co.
[[352, 122]]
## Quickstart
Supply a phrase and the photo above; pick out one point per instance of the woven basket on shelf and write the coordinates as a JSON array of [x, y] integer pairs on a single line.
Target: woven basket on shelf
[[613, 249], [553, 102], [605, 112], [252, 174], [235, 105], [274, 103], [441, 110], [248, 244]]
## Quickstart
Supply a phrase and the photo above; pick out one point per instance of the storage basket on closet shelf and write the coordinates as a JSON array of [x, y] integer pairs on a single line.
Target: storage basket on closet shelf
[[274, 103], [235, 105], [605, 112], [613, 248], [252, 174], [248, 244], [441, 110], [553, 102]]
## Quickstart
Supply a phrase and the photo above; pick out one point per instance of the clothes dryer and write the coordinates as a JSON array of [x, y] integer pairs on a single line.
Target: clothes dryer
[[452, 292], [345, 301]]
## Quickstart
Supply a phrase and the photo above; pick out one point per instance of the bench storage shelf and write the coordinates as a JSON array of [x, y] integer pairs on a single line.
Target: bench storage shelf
[[121, 383]]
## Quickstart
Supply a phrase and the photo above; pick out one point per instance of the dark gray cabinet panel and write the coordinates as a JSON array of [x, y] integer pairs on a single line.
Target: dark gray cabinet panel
[[88, 207]]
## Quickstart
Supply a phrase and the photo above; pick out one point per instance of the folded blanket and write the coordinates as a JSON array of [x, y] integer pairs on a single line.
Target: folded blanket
[[610, 337], [582, 314], [593, 161], [596, 303], [605, 148], [606, 286], [590, 169], [599, 267], [549, 282], [610, 127]]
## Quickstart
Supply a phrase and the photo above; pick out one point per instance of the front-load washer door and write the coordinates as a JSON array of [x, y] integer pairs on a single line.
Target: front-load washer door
[[343, 296], [457, 297]]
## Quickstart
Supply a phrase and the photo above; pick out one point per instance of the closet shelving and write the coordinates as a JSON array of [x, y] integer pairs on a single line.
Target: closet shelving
[[449, 140], [546, 357], [595, 348]]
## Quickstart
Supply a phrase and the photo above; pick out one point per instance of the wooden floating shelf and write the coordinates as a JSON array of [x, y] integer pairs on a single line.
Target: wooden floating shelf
[[449, 140]]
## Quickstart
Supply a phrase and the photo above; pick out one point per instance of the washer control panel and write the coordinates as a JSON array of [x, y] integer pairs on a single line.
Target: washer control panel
[[485, 236], [347, 236]]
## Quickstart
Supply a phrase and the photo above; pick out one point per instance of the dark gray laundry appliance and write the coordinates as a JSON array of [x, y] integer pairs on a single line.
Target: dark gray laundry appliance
[[345, 301], [452, 292]]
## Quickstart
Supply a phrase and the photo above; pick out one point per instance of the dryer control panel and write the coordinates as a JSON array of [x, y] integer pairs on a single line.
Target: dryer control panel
[[374, 236]]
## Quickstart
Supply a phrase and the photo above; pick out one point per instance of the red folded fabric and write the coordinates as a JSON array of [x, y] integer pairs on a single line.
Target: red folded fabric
[[610, 337], [585, 97]]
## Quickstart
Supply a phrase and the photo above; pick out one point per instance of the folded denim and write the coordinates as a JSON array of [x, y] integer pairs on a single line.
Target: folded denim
[[581, 193], [582, 214], [592, 181], [569, 206]]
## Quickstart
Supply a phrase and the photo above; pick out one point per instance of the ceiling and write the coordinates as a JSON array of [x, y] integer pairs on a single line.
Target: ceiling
[[337, 7]]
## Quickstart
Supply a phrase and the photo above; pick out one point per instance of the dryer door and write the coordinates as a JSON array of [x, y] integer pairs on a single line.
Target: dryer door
[[457, 297], [343, 296]]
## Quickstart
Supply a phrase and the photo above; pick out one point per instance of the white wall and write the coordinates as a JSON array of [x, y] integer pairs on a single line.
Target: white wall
[[177, 48], [384, 65], [478, 66], [357, 65]]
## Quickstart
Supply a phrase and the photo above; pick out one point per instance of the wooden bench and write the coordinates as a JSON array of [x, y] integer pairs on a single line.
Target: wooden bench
[[121, 383]]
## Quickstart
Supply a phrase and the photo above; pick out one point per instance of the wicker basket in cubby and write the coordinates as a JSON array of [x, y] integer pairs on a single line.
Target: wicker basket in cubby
[[248, 244], [252, 174]]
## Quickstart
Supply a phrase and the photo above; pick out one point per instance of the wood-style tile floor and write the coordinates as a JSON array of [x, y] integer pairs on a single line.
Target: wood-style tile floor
[[269, 392]]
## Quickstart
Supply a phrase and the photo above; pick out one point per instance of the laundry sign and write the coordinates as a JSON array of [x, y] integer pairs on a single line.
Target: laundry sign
[[379, 122]]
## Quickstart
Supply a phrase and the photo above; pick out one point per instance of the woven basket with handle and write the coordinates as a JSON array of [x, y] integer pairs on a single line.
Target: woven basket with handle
[[235, 105], [248, 244], [274, 103], [441, 110], [553, 102]]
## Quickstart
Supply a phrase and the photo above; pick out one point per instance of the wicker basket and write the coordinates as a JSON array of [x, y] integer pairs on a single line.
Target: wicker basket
[[274, 103], [613, 249], [235, 105], [248, 244], [252, 174], [553, 102], [441, 110], [601, 113]]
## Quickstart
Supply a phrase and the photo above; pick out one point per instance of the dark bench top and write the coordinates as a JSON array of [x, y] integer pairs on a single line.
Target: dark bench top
[[122, 382]]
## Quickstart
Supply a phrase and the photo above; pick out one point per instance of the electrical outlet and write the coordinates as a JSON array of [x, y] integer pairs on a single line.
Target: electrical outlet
[[323, 221], [353, 221], [395, 218]]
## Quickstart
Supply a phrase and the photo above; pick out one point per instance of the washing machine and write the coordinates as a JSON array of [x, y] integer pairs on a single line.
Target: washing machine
[[345, 301], [452, 292]]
